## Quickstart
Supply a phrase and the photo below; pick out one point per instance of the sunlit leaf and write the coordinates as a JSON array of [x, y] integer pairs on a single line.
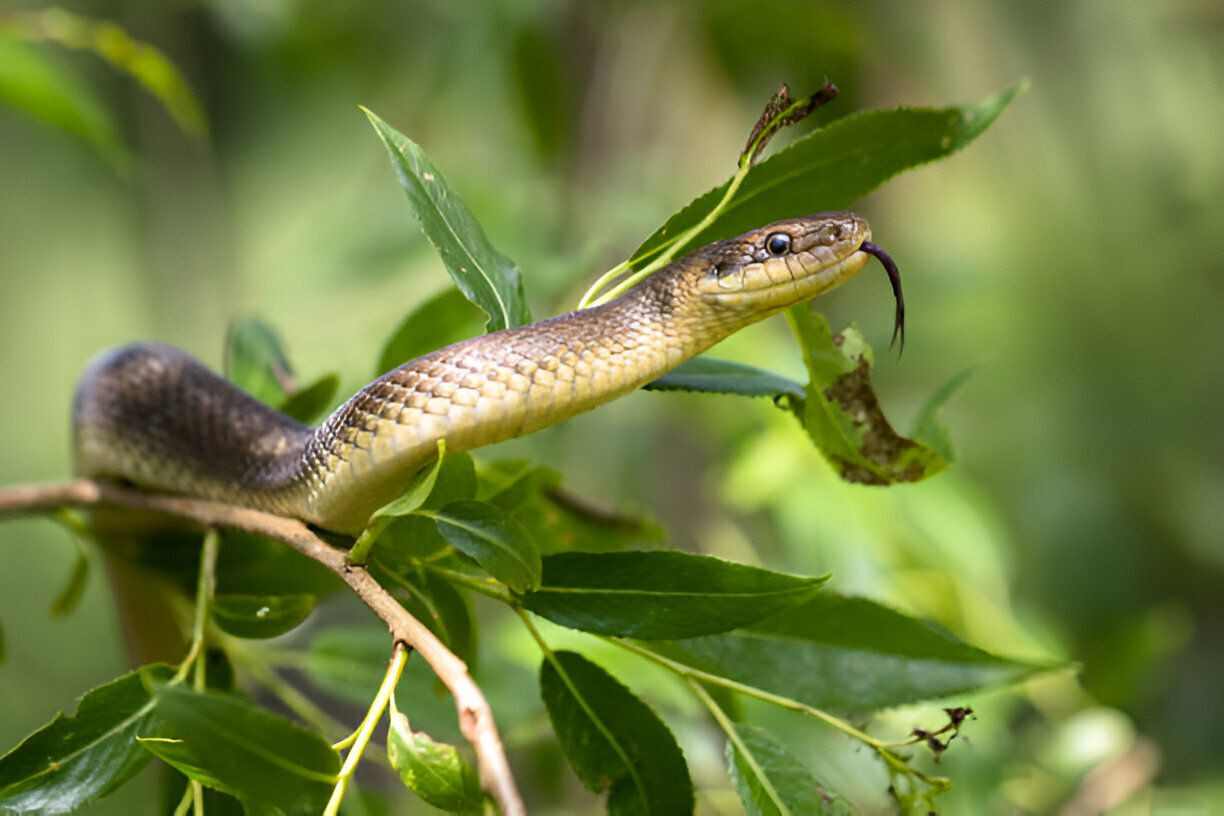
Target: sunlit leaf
[[256, 362], [842, 415], [832, 167], [234, 746], [41, 86], [497, 542], [771, 781], [151, 69], [613, 740], [849, 654], [660, 594], [488, 278], [260, 616], [445, 318], [715, 376], [73, 760], [929, 427], [308, 404], [434, 771]]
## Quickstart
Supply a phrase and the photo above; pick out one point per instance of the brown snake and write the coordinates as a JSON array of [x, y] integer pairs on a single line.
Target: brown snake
[[151, 415]]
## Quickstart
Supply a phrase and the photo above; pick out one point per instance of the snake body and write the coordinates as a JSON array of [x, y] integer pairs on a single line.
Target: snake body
[[151, 415]]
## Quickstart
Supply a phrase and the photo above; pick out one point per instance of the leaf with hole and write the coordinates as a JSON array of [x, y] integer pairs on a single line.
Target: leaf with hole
[[842, 415], [614, 741], [660, 594]]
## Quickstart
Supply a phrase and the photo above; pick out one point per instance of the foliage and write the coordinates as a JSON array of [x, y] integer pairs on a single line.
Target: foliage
[[724, 630]]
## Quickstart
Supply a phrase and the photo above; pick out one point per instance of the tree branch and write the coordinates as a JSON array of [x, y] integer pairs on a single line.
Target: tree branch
[[475, 716]]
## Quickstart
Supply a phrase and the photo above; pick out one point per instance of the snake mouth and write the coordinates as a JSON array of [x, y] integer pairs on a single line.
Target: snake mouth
[[894, 278]]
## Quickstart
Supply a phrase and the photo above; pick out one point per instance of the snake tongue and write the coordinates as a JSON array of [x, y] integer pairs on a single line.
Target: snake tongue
[[894, 277]]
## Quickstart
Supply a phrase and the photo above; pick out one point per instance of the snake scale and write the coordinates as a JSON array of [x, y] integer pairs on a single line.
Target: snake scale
[[153, 416]]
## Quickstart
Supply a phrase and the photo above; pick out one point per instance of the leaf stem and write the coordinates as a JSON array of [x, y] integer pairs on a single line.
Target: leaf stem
[[206, 584], [399, 657], [488, 587], [728, 727]]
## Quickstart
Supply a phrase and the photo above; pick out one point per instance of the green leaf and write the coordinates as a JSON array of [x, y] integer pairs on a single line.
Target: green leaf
[[714, 376], [74, 588], [485, 276], [842, 414], [448, 614], [832, 167], [308, 404], [71, 761], [771, 781], [3, 647], [613, 740], [349, 663], [497, 542], [236, 747], [929, 427], [38, 85], [849, 654], [408, 502], [434, 771], [445, 318], [261, 616], [252, 565], [256, 362], [660, 594]]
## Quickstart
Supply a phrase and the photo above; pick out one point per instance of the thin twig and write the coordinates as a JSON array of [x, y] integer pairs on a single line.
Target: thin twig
[[475, 716]]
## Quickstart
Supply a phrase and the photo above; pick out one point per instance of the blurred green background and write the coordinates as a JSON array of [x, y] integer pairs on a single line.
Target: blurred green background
[[1074, 255]]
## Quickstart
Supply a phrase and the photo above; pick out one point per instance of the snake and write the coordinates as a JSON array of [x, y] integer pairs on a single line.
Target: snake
[[151, 416]]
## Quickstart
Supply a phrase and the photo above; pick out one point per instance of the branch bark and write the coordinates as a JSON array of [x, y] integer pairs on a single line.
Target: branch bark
[[475, 716]]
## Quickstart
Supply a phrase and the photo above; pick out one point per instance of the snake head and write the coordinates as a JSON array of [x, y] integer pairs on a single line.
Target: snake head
[[782, 264]]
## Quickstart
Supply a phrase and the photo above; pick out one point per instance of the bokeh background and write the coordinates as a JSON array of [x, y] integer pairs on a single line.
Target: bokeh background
[[1073, 255]]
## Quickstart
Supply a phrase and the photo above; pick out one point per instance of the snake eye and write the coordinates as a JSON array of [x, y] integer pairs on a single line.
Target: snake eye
[[778, 243]]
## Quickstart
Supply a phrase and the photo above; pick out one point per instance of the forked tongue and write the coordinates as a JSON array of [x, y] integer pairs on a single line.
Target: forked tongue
[[894, 277]]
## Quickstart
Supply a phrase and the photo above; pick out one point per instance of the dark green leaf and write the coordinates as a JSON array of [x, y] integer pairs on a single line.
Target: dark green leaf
[[256, 362], [614, 740], [772, 782], [251, 565], [832, 167], [236, 747], [715, 376], [437, 604], [408, 502], [445, 318], [497, 542], [434, 771], [71, 761], [349, 663], [660, 594], [261, 616], [842, 414], [929, 428], [485, 276], [849, 654], [308, 404], [74, 588]]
